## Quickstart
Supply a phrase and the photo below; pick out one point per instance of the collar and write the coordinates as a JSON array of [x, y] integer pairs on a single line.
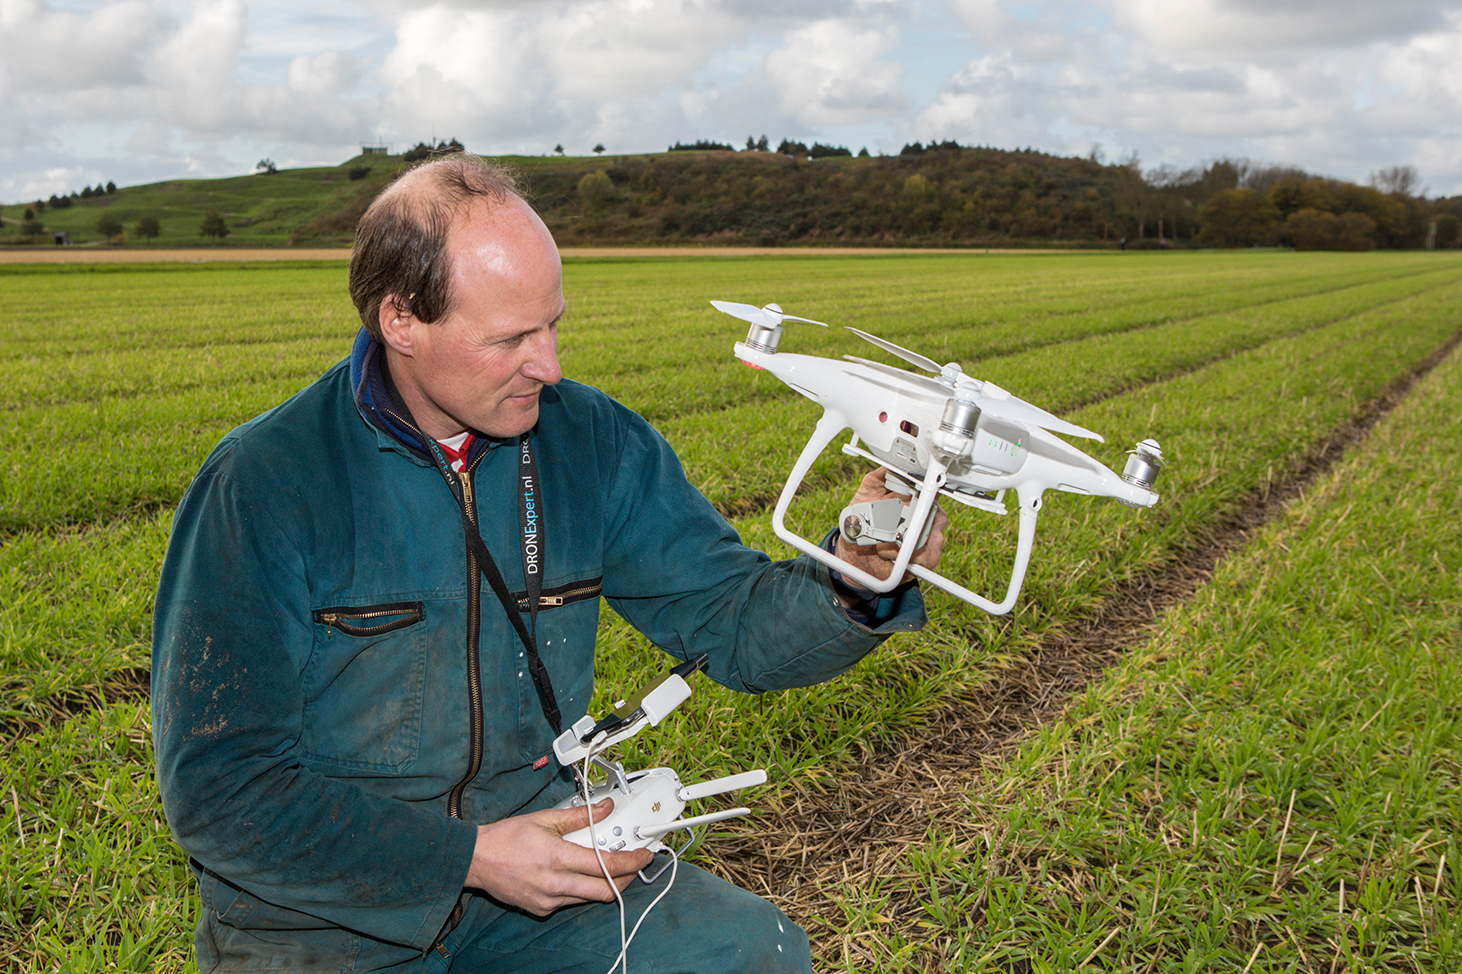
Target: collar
[[379, 402]]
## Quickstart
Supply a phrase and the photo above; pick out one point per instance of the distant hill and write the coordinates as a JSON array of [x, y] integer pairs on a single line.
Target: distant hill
[[939, 195]]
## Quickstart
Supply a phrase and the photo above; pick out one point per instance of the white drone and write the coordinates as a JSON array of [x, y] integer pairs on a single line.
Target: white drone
[[949, 435]]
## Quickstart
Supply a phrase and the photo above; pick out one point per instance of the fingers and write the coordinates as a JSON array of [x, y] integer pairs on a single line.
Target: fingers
[[525, 861]]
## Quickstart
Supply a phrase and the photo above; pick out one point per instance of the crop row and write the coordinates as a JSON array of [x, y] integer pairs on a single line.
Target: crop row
[[625, 318], [143, 420]]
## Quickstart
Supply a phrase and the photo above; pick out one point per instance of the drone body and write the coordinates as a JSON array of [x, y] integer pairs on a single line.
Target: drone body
[[949, 435]]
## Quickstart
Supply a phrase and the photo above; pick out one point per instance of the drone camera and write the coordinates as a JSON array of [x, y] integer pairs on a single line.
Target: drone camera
[[1143, 464]]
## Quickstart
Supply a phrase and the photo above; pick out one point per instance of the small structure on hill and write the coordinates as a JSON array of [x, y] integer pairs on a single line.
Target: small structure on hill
[[62, 238], [375, 150]]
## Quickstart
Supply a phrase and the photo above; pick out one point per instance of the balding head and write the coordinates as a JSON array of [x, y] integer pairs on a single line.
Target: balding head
[[401, 241]]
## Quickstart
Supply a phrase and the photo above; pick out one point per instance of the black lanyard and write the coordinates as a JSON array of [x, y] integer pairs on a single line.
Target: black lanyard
[[529, 503], [530, 532]]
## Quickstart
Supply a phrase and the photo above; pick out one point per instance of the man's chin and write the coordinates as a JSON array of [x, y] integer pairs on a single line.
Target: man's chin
[[513, 422]]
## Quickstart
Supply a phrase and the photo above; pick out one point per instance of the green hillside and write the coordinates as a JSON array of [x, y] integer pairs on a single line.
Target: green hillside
[[266, 210], [940, 195]]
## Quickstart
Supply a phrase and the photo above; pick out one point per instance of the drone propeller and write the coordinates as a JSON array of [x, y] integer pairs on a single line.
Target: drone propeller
[[1017, 409], [770, 316], [931, 387], [913, 358]]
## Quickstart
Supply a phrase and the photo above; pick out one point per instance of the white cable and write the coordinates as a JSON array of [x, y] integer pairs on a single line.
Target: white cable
[[621, 961], [599, 855]]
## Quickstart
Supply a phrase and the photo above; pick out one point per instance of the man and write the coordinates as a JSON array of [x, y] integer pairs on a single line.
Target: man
[[353, 739]]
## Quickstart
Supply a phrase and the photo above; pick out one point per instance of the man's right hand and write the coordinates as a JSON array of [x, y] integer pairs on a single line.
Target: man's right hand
[[524, 861]]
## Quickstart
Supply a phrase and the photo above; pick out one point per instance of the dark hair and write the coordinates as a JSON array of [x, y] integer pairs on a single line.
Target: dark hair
[[401, 241]]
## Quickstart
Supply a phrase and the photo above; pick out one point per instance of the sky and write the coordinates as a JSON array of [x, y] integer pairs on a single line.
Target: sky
[[136, 91]]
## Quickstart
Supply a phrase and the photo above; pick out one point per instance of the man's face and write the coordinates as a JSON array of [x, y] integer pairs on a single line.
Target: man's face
[[482, 366]]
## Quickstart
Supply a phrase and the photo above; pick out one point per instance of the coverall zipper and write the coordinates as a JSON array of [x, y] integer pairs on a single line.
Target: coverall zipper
[[474, 675]]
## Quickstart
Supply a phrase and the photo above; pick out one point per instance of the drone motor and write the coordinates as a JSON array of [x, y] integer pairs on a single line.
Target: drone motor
[[1143, 464]]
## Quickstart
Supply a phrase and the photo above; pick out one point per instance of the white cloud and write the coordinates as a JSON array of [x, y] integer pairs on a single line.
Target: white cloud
[[832, 73], [325, 73], [1253, 26], [52, 51]]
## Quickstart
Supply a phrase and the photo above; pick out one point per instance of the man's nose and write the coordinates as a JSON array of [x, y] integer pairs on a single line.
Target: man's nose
[[542, 363]]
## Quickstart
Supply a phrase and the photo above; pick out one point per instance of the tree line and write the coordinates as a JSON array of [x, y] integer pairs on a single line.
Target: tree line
[[953, 195]]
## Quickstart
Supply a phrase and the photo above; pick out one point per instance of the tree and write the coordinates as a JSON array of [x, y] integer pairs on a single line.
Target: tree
[[111, 187], [148, 227], [108, 226], [558, 149], [265, 167], [213, 225], [30, 214], [599, 149], [761, 144], [1395, 180], [1238, 218]]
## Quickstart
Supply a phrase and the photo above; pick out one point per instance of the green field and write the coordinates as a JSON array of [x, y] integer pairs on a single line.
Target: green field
[[1153, 822]]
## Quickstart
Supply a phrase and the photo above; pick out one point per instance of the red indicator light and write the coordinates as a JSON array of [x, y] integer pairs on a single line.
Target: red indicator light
[[751, 366], [883, 417]]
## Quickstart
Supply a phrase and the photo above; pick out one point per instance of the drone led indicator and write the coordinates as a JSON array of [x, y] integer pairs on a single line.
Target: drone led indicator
[[883, 417]]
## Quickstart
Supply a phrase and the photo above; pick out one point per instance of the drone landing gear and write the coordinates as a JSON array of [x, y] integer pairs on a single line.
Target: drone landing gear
[[914, 526]]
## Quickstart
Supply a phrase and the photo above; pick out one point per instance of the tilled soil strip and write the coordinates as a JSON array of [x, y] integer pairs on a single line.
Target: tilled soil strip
[[854, 824]]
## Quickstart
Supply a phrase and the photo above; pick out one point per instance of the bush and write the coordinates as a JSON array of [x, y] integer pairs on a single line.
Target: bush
[[1309, 229], [596, 191], [108, 226], [148, 227], [359, 172]]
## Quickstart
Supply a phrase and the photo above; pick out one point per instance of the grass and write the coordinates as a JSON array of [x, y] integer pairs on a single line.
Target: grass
[[1272, 783], [116, 384]]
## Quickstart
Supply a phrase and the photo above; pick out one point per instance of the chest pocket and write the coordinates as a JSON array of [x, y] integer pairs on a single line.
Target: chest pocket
[[364, 685]]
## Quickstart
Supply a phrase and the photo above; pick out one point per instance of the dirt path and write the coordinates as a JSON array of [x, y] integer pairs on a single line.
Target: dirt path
[[202, 255], [856, 824]]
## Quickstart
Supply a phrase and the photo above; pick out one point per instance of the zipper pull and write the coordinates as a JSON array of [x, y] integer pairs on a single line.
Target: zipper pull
[[329, 619], [465, 479]]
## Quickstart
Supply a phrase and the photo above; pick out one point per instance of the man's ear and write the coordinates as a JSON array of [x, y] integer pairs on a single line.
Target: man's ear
[[398, 326]]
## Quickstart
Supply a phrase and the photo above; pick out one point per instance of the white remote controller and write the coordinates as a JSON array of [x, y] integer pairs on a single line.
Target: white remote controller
[[647, 804], [651, 807]]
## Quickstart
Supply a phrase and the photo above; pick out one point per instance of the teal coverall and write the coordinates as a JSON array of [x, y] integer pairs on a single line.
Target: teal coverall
[[328, 670]]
